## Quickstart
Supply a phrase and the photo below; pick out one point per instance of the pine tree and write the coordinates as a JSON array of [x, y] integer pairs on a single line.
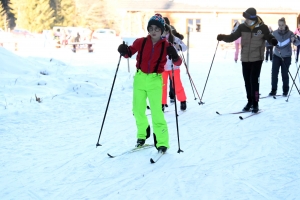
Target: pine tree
[[65, 13], [102, 14], [33, 15], [2, 19], [6, 14], [90, 16]]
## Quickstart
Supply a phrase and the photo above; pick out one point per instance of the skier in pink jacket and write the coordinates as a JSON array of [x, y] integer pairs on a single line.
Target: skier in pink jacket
[[236, 42]]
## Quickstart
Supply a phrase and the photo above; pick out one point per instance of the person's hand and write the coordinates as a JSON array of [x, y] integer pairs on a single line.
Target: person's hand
[[177, 46], [274, 42], [123, 49], [293, 38], [220, 37], [172, 53]]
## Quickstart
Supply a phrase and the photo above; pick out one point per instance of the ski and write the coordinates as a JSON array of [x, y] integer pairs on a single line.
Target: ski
[[156, 158], [252, 114], [145, 146], [232, 112], [274, 96]]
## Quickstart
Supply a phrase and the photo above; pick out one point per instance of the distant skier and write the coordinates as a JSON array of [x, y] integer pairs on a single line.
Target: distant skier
[[269, 48], [151, 58], [179, 90], [253, 33], [237, 42], [285, 39]]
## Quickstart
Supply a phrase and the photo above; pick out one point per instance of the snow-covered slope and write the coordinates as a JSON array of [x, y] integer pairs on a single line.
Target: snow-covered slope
[[48, 149]]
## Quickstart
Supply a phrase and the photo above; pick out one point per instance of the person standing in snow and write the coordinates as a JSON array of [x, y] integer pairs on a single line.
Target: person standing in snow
[[236, 42], [297, 32], [179, 90], [282, 56], [151, 58], [269, 47], [253, 33], [171, 89]]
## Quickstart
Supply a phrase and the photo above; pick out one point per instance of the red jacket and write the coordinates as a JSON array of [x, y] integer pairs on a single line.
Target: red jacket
[[151, 55]]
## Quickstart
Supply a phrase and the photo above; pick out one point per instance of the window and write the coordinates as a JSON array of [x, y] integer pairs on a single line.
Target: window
[[193, 25]]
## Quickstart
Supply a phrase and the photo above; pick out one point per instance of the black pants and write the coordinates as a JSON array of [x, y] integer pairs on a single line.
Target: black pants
[[284, 64], [269, 51], [297, 54], [251, 73]]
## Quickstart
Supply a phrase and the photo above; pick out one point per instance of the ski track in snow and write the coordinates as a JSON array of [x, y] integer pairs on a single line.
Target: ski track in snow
[[48, 149]]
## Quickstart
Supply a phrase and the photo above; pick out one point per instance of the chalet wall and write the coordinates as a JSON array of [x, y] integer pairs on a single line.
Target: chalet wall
[[134, 24]]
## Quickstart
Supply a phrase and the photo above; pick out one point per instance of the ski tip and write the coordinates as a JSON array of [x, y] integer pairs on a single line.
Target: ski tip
[[241, 118], [110, 155], [152, 161], [274, 97], [218, 113]]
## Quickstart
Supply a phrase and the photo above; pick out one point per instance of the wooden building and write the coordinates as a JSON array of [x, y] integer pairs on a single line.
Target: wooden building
[[204, 19]]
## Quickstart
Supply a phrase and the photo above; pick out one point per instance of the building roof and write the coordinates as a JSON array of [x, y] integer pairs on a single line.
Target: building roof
[[263, 6]]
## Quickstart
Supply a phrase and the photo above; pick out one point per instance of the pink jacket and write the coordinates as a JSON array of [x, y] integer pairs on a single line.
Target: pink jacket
[[238, 41]]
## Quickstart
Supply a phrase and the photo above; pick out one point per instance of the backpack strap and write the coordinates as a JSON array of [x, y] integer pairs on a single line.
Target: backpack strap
[[141, 52], [160, 56]]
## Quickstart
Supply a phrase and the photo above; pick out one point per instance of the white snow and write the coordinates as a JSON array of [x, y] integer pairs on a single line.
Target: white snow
[[48, 149]]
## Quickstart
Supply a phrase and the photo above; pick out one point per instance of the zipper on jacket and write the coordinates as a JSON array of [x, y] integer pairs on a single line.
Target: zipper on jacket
[[249, 46]]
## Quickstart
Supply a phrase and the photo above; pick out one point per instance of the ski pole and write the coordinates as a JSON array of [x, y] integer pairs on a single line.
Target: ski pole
[[293, 84], [287, 69], [112, 87], [176, 115], [209, 71], [295, 48], [191, 80], [182, 57]]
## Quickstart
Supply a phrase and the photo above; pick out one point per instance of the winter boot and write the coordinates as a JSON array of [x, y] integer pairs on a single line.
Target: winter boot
[[273, 92], [183, 105], [248, 106], [140, 142], [163, 107], [285, 93], [172, 100], [162, 149], [255, 108]]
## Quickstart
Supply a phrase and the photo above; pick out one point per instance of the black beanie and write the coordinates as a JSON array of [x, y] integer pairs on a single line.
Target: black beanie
[[250, 13], [157, 20]]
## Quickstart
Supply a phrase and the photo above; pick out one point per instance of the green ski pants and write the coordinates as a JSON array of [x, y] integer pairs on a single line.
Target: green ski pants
[[149, 86]]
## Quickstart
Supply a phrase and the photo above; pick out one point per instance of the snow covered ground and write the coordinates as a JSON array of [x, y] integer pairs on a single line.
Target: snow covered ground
[[48, 149]]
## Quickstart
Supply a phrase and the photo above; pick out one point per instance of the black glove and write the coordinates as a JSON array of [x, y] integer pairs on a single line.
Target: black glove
[[123, 49], [274, 41], [172, 53], [220, 37]]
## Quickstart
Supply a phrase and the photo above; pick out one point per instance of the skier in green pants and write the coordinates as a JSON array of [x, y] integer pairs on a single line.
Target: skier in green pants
[[153, 52]]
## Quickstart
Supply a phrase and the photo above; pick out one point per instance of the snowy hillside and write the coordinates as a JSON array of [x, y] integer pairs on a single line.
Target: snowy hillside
[[48, 149]]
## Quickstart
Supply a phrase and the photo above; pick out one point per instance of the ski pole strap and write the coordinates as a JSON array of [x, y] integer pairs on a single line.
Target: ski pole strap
[[141, 53], [160, 56]]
